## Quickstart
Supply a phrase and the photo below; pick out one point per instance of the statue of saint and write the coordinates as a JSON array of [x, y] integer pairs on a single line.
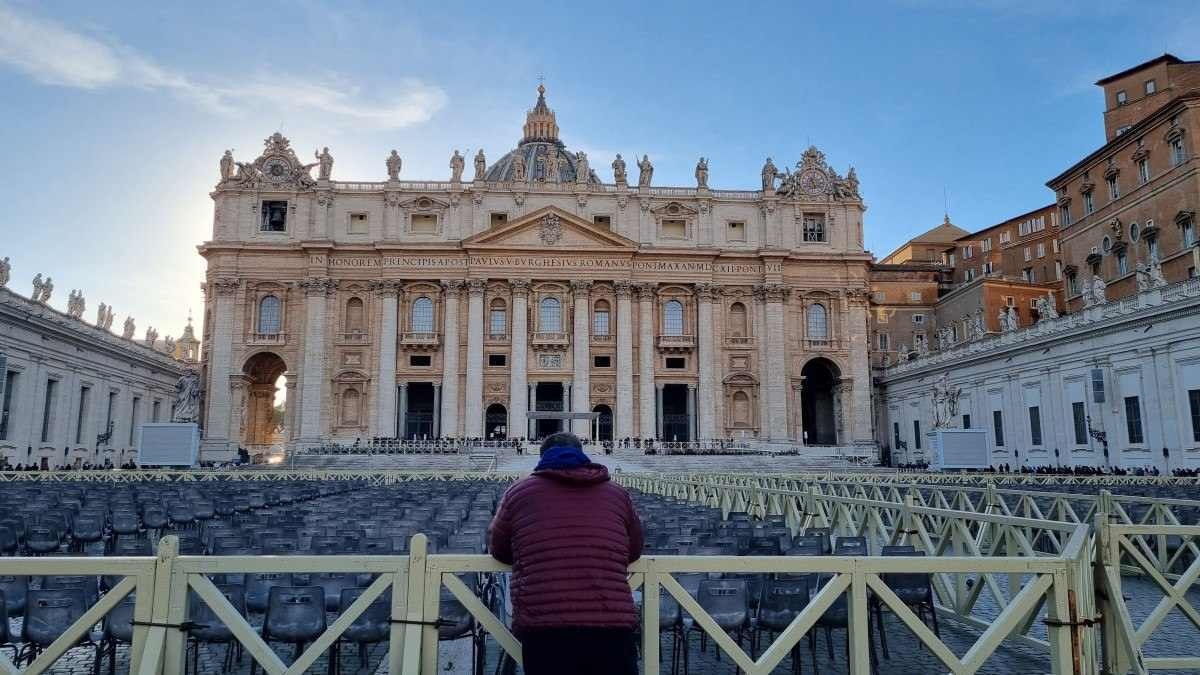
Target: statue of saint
[[1049, 310], [227, 165], [108, 318], [980, 326], [852, 183], [1008, 320], [151, 336], [47, 289], [1099, 290], [36, 296], [645, 171], [5, 271], [1157, 279], [101, 314], [128, 329], [456, 167], [550, 171], [582, 169], [393, 165], [769, 174], [480, 165], [325, 160], [618, 167], [702, 174], [187, 397], [945, 402], [75, 304], [519, 165], [169, 345]]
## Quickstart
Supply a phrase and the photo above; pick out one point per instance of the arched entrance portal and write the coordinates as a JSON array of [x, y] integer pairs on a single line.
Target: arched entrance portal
[[265, 417], [819, 402], [495, 422], [604, 423]]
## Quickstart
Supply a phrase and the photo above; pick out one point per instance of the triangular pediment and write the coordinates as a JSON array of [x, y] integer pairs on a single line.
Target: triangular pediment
[[550, 228]]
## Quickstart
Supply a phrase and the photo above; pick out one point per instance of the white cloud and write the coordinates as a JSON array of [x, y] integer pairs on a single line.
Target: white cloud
[[53, 54]]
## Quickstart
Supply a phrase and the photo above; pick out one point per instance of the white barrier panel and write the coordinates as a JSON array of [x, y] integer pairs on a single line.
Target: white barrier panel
[[168, 444]]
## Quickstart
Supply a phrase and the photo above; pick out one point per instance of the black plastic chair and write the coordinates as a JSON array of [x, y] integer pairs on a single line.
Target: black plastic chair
[[117, 629], [42, 540], [6, 641], [915, 589], [783, 599], [48, 614], [16, 593], [373, 626], [258, 589], [295, 615], [207, 628]]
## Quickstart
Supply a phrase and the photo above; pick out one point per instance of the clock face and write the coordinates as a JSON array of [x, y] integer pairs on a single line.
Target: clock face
[[814, 182], [276, 169]]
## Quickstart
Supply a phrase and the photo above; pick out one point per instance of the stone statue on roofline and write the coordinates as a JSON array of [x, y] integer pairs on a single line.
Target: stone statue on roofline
[[519, 166], [100, 314], [769, 174], [325, 161], [618, 167], [645, 171], [47, 290], [187, 397], [128, 329], [480, 165], [456, 167], [5, 271], [393, 165], [227, 165], [1099, 290], [582, 167], [702, 174]]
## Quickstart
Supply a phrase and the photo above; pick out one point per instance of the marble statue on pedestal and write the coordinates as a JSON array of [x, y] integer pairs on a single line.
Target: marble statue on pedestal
[[325, 160], [945, 403], [456, 167], [618, 167], [480, 165], [702, 174], [227, 165], [128, 329], [769, 174], [5, 271], [582, 170], [187, 398], [645, 171], [393, 165], [1099, 290], [151, 336]]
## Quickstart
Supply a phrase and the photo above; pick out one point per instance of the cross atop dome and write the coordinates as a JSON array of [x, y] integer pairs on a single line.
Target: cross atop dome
[[540, 125]]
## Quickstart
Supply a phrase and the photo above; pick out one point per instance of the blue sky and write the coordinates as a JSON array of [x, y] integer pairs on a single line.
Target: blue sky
[[114, 114]]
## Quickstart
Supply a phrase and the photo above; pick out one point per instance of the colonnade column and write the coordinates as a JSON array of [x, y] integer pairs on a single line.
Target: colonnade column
[[581, 349], [706, 354], [649, 425], [385, 412], [532, 406], [449, 407], [402, 418], [216, 421], [860, 368], [518, 410], [474, 404], [437, 409], [312, 377], [693, 425], [776, 367], [623, 424], [658, 410]]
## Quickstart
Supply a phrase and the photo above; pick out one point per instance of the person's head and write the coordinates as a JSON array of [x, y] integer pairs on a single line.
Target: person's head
[[562, 439]]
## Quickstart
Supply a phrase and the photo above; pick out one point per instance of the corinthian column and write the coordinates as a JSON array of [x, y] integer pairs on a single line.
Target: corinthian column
[[518, 403], [312, 377], [581, 344], [705, 295], [623, 424], [449, 420], [216, 421], [777, 364], [860, 368], [385, 412], [474, 404], [648, 426]]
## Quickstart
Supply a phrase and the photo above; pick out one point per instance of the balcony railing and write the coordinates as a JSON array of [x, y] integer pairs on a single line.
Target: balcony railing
[[357, 337], [260, 339], [676, 343], [420, 341], [549, 340], [496, 338]]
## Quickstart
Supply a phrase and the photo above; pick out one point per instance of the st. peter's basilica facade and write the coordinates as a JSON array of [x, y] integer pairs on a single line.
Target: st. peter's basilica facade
[[457, 308]]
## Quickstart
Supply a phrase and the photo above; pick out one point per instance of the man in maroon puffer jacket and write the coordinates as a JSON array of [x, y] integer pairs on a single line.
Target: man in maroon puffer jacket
[[570, 533]]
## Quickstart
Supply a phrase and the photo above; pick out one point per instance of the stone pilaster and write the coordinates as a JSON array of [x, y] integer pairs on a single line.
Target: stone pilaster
[[860, 368], [449, 418], [220, 362], [518, 404], [385, 413], [776, 366], [313, 375], [648, 426], [581, 342], [474, 403], [706, 366], [623, 424]]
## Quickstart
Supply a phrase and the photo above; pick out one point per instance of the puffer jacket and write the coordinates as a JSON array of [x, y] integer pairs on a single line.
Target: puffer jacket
[[569, 534]]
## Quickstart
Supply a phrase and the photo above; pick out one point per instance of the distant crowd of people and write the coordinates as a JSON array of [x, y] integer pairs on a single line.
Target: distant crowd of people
[[1079, 470]]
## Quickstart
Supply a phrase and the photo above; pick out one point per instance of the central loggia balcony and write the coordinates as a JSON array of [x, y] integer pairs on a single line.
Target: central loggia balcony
[[676, 343], [550, 340]]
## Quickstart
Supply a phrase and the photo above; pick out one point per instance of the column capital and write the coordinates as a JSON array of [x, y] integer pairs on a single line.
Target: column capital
[[581, 288], [645, 290], [520, 287], [623, 288], [772, 292], [386, 288], [476, 286], [706, 291], [226, 285], [452, 287], [318, 286]]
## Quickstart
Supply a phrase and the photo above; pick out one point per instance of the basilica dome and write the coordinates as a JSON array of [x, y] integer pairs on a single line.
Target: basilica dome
[[540, 157]]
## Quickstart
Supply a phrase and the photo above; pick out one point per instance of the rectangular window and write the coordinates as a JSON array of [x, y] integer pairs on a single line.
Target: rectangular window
[[1122, 97], [155, 410], [1064, 214], [914, 296], [1054, 245], [6, 412], [1194, 404], [1005, 237], [498, 321], [1041, 249], [1089, 204], [676, 363], [357, 224], [498, 219], [814, 227], [1097, 385], [1152, 247], [600, 322], [274, 216], [966, 421], [424, 223], [988, 267], [896, 434], [1143, 171], [133, 419], [1035, 425], [1133, 420], [497, 360], [602, 361], [1027, 274], [1114, 190], [883, 342], [985, 245], [737, 231], [1150, 87], [604, 222], [1188, 233], [48, 408], [967, 253], [917, 434], [1072, 284], [1079, 416], [1122, 264], [918, 319], [1177, 156], [674, 228], [998, 427], [85, 394], [420, 360]]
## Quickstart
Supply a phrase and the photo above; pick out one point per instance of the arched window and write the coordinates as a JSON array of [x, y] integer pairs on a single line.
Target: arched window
[[673, 318], [818, 323], [350, 400], [498, 319], [270, 315], [600, 317], [422, 315], [550, 316], [354, 315], [738, 325]]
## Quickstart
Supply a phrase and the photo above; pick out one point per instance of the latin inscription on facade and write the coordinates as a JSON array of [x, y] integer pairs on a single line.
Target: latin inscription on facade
[[541, 262]]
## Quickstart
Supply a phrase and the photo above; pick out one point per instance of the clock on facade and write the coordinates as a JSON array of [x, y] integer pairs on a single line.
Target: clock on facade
[[276, 169], [814, 182]]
